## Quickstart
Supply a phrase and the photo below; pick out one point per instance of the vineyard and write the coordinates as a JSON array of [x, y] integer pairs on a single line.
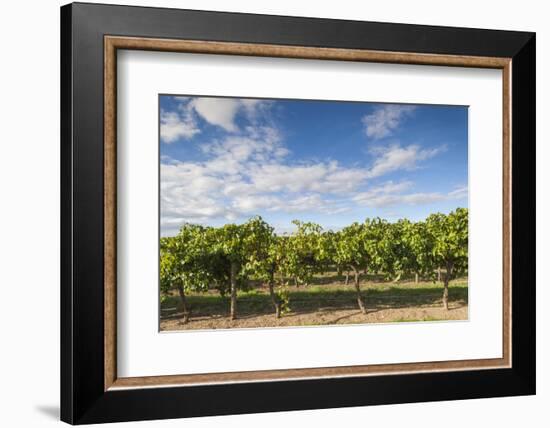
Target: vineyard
[[246, 275]]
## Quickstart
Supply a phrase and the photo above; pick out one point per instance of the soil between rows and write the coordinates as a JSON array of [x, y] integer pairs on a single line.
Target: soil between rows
[[332, 303], [323, 317]]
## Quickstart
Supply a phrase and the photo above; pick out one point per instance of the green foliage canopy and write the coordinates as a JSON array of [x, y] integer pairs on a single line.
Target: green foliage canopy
[[199, 257]]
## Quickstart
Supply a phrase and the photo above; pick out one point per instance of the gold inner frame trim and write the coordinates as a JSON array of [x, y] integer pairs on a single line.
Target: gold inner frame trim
[[113, 43]]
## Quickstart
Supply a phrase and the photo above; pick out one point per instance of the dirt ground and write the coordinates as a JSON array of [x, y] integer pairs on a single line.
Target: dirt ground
[[329, 316], [329, 301]]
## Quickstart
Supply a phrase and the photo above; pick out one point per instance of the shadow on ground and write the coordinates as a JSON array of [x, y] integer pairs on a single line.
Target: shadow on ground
[[51, 412], [309, 299]]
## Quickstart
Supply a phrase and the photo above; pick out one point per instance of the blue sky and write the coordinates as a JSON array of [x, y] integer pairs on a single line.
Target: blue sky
[[228, 159]]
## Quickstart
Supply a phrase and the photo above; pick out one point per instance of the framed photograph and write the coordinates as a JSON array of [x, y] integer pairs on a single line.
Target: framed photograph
[[266, 213]]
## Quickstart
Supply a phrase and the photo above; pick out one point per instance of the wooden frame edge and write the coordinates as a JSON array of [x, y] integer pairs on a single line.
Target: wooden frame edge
[[112, 43], [301, 52], [507, 213], [110, 224], [298, 374]]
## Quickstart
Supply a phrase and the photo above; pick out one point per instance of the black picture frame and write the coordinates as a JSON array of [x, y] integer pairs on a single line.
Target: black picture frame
[[83, 398]]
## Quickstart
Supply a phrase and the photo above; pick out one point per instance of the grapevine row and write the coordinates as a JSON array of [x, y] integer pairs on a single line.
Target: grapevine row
[[200, 258]]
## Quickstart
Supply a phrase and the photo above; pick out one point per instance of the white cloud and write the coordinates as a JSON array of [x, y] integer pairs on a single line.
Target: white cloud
[[394, 157], [377, 193], [227, 156], [250, 170], [326, 177], [217, 111], [258, 144], [247, 173], [250, 204], [199, 194], [222, 112], [410, 199], [385, 120], [276, 177], [174, 125], [253, 107], [391, 194], [181, 180], [313, 202], [459, 193]]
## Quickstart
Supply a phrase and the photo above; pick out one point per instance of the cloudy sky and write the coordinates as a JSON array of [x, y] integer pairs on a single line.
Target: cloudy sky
[[227, 159]]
